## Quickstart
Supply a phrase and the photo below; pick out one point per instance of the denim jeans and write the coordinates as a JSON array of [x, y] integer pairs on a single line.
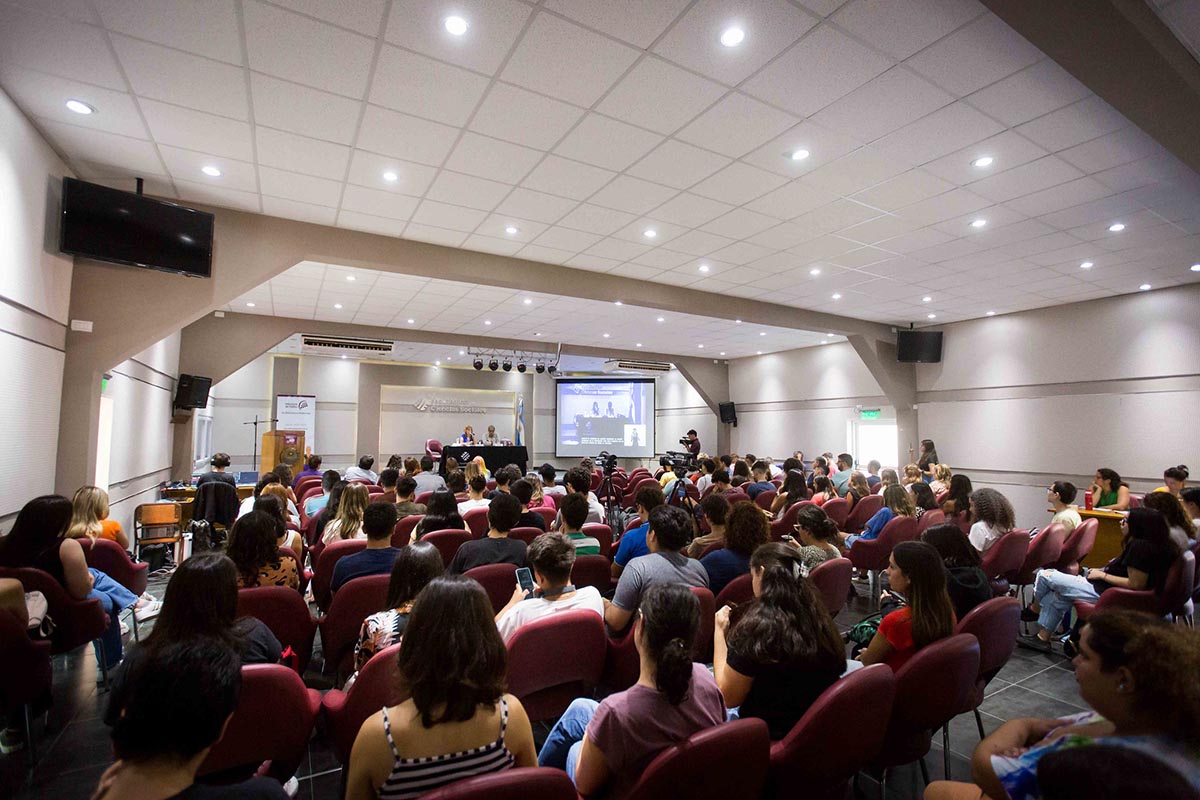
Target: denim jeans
[[115, 598], [1055, 593], [562, 746]]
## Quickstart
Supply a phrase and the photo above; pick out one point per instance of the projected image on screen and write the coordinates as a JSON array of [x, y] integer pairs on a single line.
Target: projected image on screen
[[595, 415]]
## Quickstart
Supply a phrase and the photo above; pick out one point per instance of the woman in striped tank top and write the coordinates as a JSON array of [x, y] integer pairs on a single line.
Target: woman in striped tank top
[[456, 721]]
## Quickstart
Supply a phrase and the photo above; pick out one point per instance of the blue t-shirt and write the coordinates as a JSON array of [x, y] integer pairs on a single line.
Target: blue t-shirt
[[841, 480], [633, 544], [722, 567], [754, 489], [364, 562], [875, 524], [314, 504]]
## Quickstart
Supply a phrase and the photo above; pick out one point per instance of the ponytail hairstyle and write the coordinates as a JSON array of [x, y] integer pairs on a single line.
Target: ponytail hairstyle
[[817, 522], [932, 612], [788, 624], [670, 618], [1179, 473]]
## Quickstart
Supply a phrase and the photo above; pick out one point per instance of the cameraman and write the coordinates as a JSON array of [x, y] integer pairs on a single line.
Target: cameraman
[[692, 443]]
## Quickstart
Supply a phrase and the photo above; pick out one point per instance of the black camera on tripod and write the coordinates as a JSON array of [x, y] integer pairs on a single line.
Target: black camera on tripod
[[607, 462]]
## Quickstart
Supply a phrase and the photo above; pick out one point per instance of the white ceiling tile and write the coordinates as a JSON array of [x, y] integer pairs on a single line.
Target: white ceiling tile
[[917, 240], [631, 195], [186, 165], [617, 248], [740, 253], [419, 85], [996, 217], [78, 10], [878, 229], [434, 234], [58, 47], [292, 209], [364, 16], [301, 188], [563, 60], [860, 257], [695, 41], [823, 146], [367, 169], [208, 29], [442, 215], [659, 96], [218, 196], [901, 29], [492, 158], [515, 115], [1106, 152], [943, 206], [783, 236], [567, 239], [824, 247], [403, 136], [45, 96], [549, 255], [377, 203], [607, 143], [677, 164], [299, 109], [496, 225], [976, 55], [738, 183], [1008, 150], [634, 21], [891, 101], [195, 130], [635, 232], [535, 205], [467, 190], [103, 148], [301, 154], [945, 131], [1030, 93], [161, 73], [740, 224], [1102, 210], [854, 172], [494, 27], [595, 219], [663, 258], [490, 244], [825, 65], [1026, 179], [736, 125], [299, 49], [903, 190], [1064, 195], [567, 178], [1074, 124], [690, 210], [699, 243], [792, 200]]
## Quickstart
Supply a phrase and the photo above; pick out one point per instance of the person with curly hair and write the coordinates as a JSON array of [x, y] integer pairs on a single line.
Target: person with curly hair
[[745, 530], [992, 517]]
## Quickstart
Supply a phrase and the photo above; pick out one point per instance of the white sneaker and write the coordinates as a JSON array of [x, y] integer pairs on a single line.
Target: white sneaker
[[148, 611], [292, 787], [124, 628]]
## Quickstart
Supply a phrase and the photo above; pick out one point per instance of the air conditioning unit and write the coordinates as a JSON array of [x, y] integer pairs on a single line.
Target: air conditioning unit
[[324, 344], [629, 365]]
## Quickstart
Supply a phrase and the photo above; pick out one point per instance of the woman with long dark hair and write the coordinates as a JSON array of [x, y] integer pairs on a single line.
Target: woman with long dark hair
[[254, 551], [1183, 530], [441, 513], [1109, 492], [793, 490], [607, 745], [817, 537], [415, 566], [959, 499], [823, 490], [783, 651], [928, 459], [923, 498], [918, 581], [966, 582]]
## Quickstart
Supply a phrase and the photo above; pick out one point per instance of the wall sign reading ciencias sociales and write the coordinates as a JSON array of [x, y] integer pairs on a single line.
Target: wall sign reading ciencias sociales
[[298, 412], [439, 405], [597, 414]]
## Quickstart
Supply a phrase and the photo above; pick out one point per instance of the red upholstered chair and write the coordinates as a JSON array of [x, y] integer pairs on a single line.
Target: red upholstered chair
[[377, 685], [402, 533], [1078, 546], [1004, 558], [522, 783], [310, 491], [1135, 500], [433, 449], [786, 524], [447, 542], [525, 533], [621, 662], [305, 482], [855, 708], [739, 590], [555, 659], [556, 499], [634, 487], [838, 509], [111, 559], [931, 689], [873, 554], [863, 510], [548, 514], [929, 519], [353, 603], [633, 523], [498, 580], [592, 571], [737, 496], [597, 479], [326, 560], [283, 610], [363, 481], [77, 622], [718, 763], [764, 499], [703, 648], [423, 498], [832, 581], [1044, 551], [995, 624], [477, 521], [601, 533], [270, 727], [309, 531], [491, 485], [25, 676], [373, 491]]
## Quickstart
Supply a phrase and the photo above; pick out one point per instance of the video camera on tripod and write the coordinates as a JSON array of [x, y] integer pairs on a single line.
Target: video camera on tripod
[[606, 462]]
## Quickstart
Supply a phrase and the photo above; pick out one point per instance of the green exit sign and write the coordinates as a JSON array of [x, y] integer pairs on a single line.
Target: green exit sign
[[869, 413]]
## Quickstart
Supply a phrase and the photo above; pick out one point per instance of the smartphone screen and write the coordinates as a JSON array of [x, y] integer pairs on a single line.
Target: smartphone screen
[[525, 578]]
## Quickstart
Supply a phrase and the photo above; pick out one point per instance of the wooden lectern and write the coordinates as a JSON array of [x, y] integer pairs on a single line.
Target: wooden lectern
[[282, 447]]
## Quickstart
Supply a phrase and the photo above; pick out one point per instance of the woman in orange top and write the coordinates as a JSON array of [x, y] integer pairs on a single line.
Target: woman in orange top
[[89, 517]]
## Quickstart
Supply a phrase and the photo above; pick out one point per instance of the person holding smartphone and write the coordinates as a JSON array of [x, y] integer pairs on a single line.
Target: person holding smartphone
[[546, 588]]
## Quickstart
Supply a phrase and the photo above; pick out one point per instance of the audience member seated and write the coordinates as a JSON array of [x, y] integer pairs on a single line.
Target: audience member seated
[[1183, 530], [741, 469], [477, 465], [991, 517], [959, 499], [1190, 499], [415, 566], [783, 650], [820, 468], [348, 522], [707, 468], [1105, 772], [171, 710], [505, 477], [1174, 480], [888, 478], [897, 502], [747, 528], [841, 478], [549, 478], [312, 505], [574, 513], [912, 474], [578, 480], [1109, 492], [666, 473], [551, 557], [605, 747], [714, 509], [329, 512], [856, 489], [456, 722], [38, 539], [363, 471], [377, 558], [633, 542], [285, 479], [818, 536], [427, 480], [456, 484], [873, 478], [966, 582], [477, 490], [923, 498], [266, 480], [793, 490], [254, 551], [1060, 496], [721, 482], [312, 466], [89, 517], [388, 478], [1146, 555], [941, 479], [523, 491], [918, 583], [1138, 675], [669, 530], [406, 505], [219, 462], [761, 480], [284, 537], [539, 498], [441, 513], [823, 490], [496, 547], [280, 493]]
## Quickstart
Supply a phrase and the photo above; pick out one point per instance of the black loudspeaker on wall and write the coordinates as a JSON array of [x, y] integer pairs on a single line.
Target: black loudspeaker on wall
[[728, 413]]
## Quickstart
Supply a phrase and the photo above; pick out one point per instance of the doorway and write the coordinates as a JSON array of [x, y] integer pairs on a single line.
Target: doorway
[[875, 440]]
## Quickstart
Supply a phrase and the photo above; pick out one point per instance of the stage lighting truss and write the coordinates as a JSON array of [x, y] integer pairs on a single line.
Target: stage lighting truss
[[524, 361]]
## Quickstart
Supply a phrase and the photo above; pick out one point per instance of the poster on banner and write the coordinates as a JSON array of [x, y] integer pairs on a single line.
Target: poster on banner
[[298, 412]]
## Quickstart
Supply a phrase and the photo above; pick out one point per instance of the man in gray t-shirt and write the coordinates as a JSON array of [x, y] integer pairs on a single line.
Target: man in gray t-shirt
[[670, 529]]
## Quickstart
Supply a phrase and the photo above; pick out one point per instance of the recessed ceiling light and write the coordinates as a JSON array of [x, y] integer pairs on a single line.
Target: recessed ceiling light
[[639, 344], [829, 334], [456, 26], [660, 319], [487, 322], [979, 223], [391, 177], [650, 233], [527, 301], [926, 299], [351, 278], [1145, 287], [991, 313], [539, 333], [700, 346], [815, 271], [722, 352], [414, 322], [605, 335], [1116, 227], [824, 341], [762, 333], [249, 305], [343, 356], [798, 155], [80, 107], [448, 358], [1195, 267], [931, 316], [738, 321], [512, 230], [758, 352], [983, 161], [618, 303], [437, 363], [211, 171], [704, 267], [462, 352], [732, 37], [337, 306], [837, 296], [1086, 265]]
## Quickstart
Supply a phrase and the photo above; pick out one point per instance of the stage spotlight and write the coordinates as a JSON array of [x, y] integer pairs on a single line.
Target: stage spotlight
[[493, 365], [478, 364], [521, 368], [540, 368], [507, 366], [552, 369]]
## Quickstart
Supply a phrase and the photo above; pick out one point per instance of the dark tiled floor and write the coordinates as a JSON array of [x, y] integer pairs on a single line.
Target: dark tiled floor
[[74, 750]]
